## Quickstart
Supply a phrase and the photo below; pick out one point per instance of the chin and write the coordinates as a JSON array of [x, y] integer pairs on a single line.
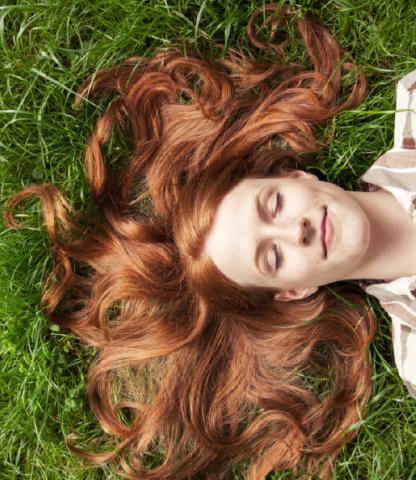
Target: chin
[[356, 238]]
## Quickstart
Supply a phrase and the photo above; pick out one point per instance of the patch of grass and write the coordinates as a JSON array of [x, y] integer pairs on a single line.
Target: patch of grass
[[47, 48]]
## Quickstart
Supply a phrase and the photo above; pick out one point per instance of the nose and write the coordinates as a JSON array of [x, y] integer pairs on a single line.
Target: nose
[[298, 232]]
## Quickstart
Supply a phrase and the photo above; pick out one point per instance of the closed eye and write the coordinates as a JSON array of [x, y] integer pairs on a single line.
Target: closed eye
[[275, 258], [276, 203]]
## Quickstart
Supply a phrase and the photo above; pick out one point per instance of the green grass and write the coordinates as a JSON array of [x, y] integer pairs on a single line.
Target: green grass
[[47, 48]]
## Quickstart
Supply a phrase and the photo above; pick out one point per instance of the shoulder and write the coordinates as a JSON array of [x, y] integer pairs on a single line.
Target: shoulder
[[398, 299], [403, 316], [400, 161]]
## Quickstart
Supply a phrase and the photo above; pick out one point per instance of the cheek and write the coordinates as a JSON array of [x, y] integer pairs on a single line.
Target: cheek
[[302, 198], [299, 268]]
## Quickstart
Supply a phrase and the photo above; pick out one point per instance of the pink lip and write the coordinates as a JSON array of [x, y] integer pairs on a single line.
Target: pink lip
[[327, 232]]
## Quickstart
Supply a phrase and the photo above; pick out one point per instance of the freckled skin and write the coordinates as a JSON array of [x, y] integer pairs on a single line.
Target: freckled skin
[[240, 227]]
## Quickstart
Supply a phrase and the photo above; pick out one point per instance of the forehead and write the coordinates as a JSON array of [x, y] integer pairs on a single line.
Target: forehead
[[231, 243]]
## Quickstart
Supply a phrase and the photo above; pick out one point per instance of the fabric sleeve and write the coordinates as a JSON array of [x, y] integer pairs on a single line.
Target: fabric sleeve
[[404, 346]]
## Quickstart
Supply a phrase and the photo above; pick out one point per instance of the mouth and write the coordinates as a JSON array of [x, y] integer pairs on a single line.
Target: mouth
[[327, 232]]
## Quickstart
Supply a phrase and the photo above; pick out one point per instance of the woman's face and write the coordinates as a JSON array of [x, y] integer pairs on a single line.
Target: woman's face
[[288, 233]]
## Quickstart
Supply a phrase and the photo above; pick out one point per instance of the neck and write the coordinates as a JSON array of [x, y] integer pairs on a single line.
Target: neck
[[390, 255]]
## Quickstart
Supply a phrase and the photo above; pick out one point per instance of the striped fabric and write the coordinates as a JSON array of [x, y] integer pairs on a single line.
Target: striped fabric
[[395, 171]]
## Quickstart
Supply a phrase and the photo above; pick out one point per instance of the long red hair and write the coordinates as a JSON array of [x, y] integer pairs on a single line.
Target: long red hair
[[211, 377]]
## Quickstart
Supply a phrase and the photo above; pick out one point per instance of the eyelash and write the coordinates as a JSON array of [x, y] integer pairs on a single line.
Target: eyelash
[[277, 205], [277, 257]]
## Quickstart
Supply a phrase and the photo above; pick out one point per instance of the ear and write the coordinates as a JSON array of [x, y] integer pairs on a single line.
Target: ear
[[295, 294], [299, 174]]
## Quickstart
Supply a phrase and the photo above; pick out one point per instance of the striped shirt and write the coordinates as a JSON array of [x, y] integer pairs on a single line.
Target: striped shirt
[[395, 171]]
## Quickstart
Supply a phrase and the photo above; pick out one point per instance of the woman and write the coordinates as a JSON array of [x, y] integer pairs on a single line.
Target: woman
[[300, 233], [215, 373]]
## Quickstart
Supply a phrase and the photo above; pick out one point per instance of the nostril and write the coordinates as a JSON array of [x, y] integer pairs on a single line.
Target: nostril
[[305, 232]]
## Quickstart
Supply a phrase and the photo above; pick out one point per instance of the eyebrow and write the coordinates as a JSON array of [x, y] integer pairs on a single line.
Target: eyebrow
[[259, 207], [260, 247], [257, 257]]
